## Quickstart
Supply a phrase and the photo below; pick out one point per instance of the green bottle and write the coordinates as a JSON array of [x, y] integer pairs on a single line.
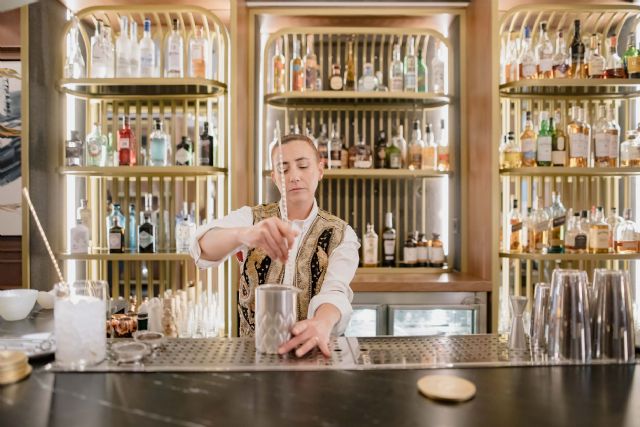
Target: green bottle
[[422, 74], [631, 58], [543, 156], [393, 154]]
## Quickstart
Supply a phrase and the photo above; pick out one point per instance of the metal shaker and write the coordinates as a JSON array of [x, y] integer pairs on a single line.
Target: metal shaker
[[276, 313]]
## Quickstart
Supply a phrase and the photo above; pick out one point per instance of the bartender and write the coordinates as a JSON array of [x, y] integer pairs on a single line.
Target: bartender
[[325, 250]]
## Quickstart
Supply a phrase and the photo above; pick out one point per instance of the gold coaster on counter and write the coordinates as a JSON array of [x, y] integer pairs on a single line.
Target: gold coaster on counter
[[14, 367], [446, 388]]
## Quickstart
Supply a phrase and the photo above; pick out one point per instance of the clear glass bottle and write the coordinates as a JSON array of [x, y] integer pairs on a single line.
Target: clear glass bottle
[[415, 147], [438, 75], [296, 69], [561, 65], [367, 82], [323, 146], [199, 54], [185, 230], [558, 143], [613, 219], [83, 214], [98, 52], [410, 252], [515, 229], [123, 50], [423, 251], [544, 52], [74, 150], [133, 228], [393, 154], [380, 150], [134, 50], [396, 71], [601, 139], [410, 67], [528, 142], [184, 152], [74, 67], [363, 158], [579, 146], [510, 152], [443, 148], [614, 68], [127, 145], [380, 87], [310, 65], [277, 67], [596, 60], [436, 252], [429, 150], [174, 52], [558, 219], [512, 69], [96, 147], [109, 52], [79, 238], [544, 143], [538, 228], [575, 238], [613, 136], [599, 234], [335, 149], [350, 69], [159, 146], [626, 235], [147, 56], [389, 242], [578, 69], [528, 60], [630, 150], [370, 247], [423, 73]]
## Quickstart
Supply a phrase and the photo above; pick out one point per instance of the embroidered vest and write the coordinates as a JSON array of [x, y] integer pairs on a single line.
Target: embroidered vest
[[322, 237]]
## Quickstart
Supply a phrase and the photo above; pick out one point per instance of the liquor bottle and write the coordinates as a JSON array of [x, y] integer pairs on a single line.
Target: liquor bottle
[[296, 69], [277, 66], [207, 147], [184, 152], [528, 61], [393, 154], [512, 70], [363, 158], [558, 218], [134, 50], [423, 251], [438, 77], [310, 65], [614, 68], [96, 147], [126, 144], [123, 50], [335, 149], [146, 234], [410, 251], [79, 238], [436, 252], [526, 226], [160, 146], [538, 228], [630, 58], [544, 52], [389, 241], [335, 81], [626, 235], [601, 139], [114, 211], [381, 150], [415, 147], [396, 71], [74, 150], [410, 67], [528, 142], [599, 234], [350, 70], [558, 143], [577, 53], [370, 247], [613, 135], [84, 215], [147, 58], [74, 67], [510, 153], [98, 52], [368, 82], [422, 73], [380, 87], [116, 237], [429, 150], [109, 49], [561, 65], [613, 220], [185, 230], [174, 52], [578, 140], [596, 61], [323, 146], [575, 240], [198, 54], [630, 150], [133, 228], [515, 225], [443, 149], [544, 142]]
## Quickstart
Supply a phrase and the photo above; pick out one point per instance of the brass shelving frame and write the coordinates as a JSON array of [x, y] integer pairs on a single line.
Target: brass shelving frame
[[379, 173], [126, 256], [136, 88], [144, 171], [347, 99], [580, 187]]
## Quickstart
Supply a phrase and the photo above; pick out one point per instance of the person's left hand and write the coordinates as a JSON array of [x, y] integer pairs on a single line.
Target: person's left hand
[[308, 334]]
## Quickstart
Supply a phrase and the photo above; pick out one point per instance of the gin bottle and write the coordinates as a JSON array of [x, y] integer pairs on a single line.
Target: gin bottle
[[310, 65], [438, 85], [174, 52], [160, 146], [79, 238], [74, 150], [98, 52], [147, 53], [116, 237], [396, 72], [370, 247], [123, 50], [127, 145], [74, 66], [146, 235], [84, 215], [132, 228], [184, 152], [198, 54], [185, 230], [544, 51], [410, 68], [207, 148], [277, 65], [96, 147]]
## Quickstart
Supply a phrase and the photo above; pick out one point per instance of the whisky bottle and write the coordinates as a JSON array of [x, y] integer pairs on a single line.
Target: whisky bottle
[[630, 150], [429, 150], [578, 140], [370, 247], [184, 152], [335, 80], [296, 69], [310, 65], [393, 154], [206, 147], [577, 53], [574, 239], [601, 138], [127, 145], [146, 235], [599, 234], [626, 235], [561, 66], [515, 224], [544, 51], [79, 238], [363, 158], [415, 147], [323, 146], [277, 67], [558, 142], [538, 228], [410, 67], [528, 60], [410, 251], [350, 70], [335, 150], [528, 142], [436, 254], [443, 149], [396, 72], [544, 143], [116, 237], [389, 242], [614, 68], [613, 220], [596, 61], [613, 137], [558, 216], [423, 251], [381, 150]]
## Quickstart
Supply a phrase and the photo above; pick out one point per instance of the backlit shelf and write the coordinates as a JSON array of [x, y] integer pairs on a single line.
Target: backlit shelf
[[353, 98], [571, 257], [142, 171], [126, 256], [571, 88], [136, 88], [378, 173], [566, 171]]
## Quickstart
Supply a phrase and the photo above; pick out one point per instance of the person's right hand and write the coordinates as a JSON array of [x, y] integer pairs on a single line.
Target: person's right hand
[[273, 235]]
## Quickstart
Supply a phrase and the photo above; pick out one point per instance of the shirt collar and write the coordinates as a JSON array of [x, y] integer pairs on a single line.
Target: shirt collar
[[309, 219]]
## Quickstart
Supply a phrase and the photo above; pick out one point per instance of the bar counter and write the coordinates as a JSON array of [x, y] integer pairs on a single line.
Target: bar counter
[[522, 396]]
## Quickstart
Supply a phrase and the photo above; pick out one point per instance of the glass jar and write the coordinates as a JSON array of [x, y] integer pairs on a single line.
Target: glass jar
[[630, 150]]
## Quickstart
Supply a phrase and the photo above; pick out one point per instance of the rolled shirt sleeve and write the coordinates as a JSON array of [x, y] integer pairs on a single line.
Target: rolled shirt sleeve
[[336, 290], [242, 217]]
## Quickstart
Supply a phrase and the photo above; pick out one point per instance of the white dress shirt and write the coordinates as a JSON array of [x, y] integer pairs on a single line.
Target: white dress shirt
[[341, 267]]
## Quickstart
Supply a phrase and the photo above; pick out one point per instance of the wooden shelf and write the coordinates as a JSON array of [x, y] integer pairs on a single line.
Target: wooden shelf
[[572, 88], [565, 171], [378, 173], [126, 256], [140, 171], [571, 257], [353, 98], [136, 88], [409, 281]]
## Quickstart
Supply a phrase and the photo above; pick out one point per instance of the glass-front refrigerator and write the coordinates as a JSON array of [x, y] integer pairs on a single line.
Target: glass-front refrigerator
[[412, 320], [367, 320]]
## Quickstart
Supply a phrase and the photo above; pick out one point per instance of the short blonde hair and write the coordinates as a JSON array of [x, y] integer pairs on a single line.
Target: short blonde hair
[[294, 137]]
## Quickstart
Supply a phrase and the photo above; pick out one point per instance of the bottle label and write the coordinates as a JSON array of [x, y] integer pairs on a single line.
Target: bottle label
[[79, 240], [580, 242], [94, 148], [145, 239], [596, 68], [559, 158], [560, 143], [205, 152], [389, 249], [578, 145], [560, 70], [559, 221], [516, 226], [124, 143], [544, 149], [598, 238], [115, 241], [613, 145], [173, 59], [529, 69], [633, 64], [362, 164], [396, 84], [602, 145], [629, 246], [311, 73], [158, 151], [335, 83], [438, 78], [410, 255], [423, 254], [546, 64], [183, 157], [395, 161], [335, 161], [370, 251], [146, 61], [410, 81], [437, 255], [529, 149]]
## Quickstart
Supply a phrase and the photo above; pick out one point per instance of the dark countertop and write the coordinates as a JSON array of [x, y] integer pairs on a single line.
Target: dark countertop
[[534, 396]]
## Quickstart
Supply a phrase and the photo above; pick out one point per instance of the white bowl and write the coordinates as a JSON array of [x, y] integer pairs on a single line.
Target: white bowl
[[46, 299], [15, 304]]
